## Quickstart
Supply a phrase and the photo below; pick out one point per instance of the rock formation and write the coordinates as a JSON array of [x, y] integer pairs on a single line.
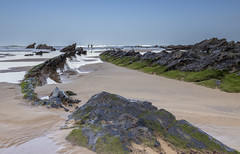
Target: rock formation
[[78, 50], [58, 99], [213, 44], [41, 53], [44, 46], [215, 62], [31, 46], [70, 48], [29, 54], [111, 123], [38, 76]]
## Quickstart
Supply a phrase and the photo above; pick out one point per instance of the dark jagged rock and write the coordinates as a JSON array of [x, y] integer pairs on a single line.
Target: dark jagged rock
[[40, 53], [28, 54], [80, 51], [58, 99], [70, 48], [39, 74], [70, 93], [208, 60], [111, 123], [44, 46], [31, 46], [213, 44]]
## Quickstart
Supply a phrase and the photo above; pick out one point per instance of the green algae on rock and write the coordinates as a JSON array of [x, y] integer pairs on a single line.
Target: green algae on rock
[[38, 75], [221, 70], [110, 123]]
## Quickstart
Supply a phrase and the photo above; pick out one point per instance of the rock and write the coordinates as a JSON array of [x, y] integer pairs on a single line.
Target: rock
[[40, 53], [59, 99], [44, 46], [39, 74], [70, 48], [70, 93], [28, 54], [208, 54], [108, 117], [80, 51], [31, 46]]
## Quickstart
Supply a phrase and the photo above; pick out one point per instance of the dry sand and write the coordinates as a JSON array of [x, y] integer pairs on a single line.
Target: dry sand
[[216, 112]]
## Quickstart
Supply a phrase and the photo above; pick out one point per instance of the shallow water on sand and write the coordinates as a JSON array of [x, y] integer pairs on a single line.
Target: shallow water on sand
[[12, 77], [10, 60], [38, 145]]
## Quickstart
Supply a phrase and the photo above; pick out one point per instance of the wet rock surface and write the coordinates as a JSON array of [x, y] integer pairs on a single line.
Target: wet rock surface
[[111, 123]]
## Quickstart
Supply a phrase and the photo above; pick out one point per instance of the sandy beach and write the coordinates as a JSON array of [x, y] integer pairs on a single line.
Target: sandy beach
[[214, 111]]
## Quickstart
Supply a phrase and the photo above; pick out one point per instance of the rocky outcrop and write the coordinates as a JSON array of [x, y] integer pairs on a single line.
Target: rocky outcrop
[[58, 99], [44, 46], [41, 53], [39, 74], [70, 48], [213, 63], [31, 46], [80, 51], [185, 60], [29, 54], [213, 44], [111, 123]]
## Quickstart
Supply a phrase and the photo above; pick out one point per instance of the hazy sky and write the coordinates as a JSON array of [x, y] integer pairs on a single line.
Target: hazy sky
[[117, 22]]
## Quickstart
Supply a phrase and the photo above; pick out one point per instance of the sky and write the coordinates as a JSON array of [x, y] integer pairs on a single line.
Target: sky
[[117, 22]]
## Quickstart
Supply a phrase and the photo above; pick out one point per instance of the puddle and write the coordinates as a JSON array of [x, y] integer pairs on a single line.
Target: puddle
[[41, 145], [12, 77]]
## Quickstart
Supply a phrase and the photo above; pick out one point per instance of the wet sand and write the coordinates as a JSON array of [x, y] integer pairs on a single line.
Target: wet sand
[[26, 60], [16, 69], [214, 111], [19, 121], [28, 129]]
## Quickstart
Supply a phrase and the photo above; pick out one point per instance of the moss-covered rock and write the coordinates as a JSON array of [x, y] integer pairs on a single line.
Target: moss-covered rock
[[218, 70], [110, 123], [37, 76]]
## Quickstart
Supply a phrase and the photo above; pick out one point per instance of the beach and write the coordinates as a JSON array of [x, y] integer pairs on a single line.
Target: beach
[[23, 125], [214, 111]]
